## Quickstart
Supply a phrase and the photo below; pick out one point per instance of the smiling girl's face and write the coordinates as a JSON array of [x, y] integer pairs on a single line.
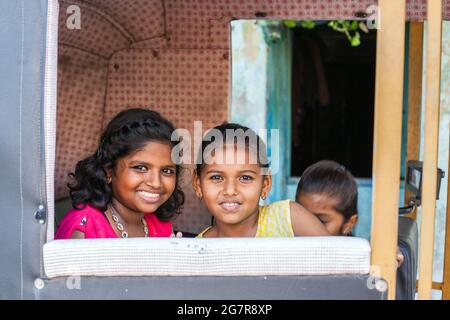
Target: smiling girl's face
[[145, 179], [231, 191]]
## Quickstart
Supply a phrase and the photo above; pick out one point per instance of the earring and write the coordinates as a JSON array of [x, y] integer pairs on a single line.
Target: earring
[[263, 197], [108, 180]]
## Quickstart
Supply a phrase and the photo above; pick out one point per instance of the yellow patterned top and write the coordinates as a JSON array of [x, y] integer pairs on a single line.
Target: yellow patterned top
[[274, 220]]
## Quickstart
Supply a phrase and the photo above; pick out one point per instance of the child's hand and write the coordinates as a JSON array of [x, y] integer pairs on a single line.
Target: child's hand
[[178, 235], [400, 258]]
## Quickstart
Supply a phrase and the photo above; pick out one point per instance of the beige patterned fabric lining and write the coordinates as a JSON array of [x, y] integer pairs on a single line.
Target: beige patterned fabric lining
[[81, 91]]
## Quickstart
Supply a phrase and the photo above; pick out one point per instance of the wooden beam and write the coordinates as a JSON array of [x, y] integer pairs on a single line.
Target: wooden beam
[[387, 138], [415, 58], [430, 151], [446, 279], [435, 285]]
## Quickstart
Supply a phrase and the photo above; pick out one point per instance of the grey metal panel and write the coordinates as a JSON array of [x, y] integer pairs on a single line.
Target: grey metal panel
[[22, 52], [212, 288]]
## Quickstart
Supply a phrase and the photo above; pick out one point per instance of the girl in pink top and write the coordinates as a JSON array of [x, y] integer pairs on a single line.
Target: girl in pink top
[[129, 187]]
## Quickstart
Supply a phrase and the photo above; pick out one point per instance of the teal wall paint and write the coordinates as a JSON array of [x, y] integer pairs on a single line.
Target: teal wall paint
[[279, 70], [405, 107]]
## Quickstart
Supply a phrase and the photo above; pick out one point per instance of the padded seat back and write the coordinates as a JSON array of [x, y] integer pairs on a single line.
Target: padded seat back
[[408, 242]]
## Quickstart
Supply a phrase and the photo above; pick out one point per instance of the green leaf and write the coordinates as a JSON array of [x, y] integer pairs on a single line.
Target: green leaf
[[308, 24], [354, 25], [356, 40], [290, 23]]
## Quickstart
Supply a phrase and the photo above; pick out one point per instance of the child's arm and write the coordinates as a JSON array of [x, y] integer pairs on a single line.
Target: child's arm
[[400, 257], [304, 223], [77, 235]]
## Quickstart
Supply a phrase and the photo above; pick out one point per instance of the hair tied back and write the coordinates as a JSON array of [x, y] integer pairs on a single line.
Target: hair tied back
[[150, 123]]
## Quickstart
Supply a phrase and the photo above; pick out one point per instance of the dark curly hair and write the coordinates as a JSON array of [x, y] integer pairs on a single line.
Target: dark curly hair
[[127, 132]]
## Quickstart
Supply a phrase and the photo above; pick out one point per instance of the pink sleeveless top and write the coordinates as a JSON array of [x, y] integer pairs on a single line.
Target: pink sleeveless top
[[94, 224]]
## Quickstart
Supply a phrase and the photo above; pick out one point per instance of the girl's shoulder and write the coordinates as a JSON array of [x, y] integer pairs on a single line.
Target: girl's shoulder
[[275, 220], [156, 227], [88, 212], [276, 207], [89, 220]]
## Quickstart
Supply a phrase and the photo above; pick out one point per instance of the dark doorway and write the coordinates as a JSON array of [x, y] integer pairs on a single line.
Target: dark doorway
[[333, 89]]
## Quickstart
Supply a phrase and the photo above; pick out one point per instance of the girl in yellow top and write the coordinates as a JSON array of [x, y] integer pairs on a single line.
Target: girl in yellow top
[[231, 180]]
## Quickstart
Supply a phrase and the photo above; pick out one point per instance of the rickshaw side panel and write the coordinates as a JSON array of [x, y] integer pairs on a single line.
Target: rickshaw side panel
[[342, 287], [22, 179]]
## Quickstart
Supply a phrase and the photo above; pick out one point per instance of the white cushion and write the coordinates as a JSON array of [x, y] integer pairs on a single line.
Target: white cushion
[[207, 257]]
